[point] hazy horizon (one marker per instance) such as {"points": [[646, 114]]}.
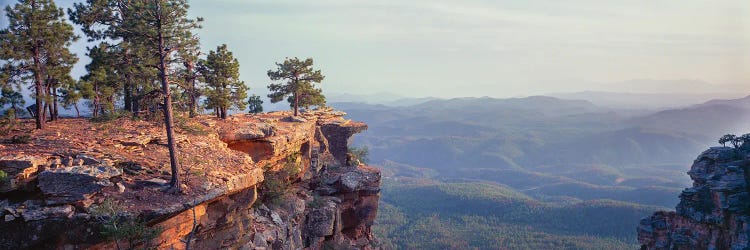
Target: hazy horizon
{"points": [[480, 48]]}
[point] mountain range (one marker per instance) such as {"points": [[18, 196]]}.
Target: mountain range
{"points": [[531, 158]]}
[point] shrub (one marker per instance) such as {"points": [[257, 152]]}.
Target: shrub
{"points": [[3, 178], [116, 227], [273, 188], [20, 139], [361, 153], [292, 168], [192, 129]]}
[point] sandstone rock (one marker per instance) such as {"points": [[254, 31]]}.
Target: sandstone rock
{"points": [[120, 188], [72, 184], [249, 131], [294, 119], [712, 214], [88, 160], [65, 211], [225, 214], [21, 170], [157, 182], [320, 222]]}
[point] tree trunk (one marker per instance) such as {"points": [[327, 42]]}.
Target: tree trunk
{"points": [[136, 103], [175, 182], [48, 107], [190, 66], [127, 88], [296, 103], [54, 104], [78, 113], [40, 119]]}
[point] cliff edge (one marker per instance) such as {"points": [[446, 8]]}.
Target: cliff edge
{"points": [[267, 181], [712, 214]]}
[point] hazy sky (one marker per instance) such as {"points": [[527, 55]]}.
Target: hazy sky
{"points": [[483, 48]]}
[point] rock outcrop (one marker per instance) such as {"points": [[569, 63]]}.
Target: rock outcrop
{"points": [[713, 214], [62, 188]]}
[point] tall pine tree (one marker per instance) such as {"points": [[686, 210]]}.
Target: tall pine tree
{"points": [[297, 79], [115, 21], [152, 34], [34, 48], [221, 72], [165, 28]]}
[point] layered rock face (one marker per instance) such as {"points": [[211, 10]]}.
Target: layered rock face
{"points": [[54, 195], [713, 214]]}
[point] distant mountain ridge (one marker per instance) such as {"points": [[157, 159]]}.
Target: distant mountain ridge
{"points": [[653, 101]]}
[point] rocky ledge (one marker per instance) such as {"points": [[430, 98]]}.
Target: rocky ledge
{"points": [[84, 185], [713, 214]]}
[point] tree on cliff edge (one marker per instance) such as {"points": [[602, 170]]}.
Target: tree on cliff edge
{"points": [[255, 104], [164, 28], [221, 72], [297, 82]]}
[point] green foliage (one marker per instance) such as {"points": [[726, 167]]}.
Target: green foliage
{"points": [[15, 100], [292, 166], [102, 82], [34, 49], [117, 227], [277, 184], [192, 129], [728, 138], [8, 121], [255, 104], [221, 72], [485, 216], [361, 153], [3, 178], [297, 78], [70, 97], [273, 188]]}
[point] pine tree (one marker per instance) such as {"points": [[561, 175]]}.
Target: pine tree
{"points": [[255, 104], [192, 91], [36, 40], [221, 72], [164, 28], [59, 65], [71, 95], [101, 83], [115, 21], [297, 82], [8, 96]]}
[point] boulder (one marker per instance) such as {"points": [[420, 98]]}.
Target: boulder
{"points": [[21, 170], [321, 221], [72, 184], [249, 131], [294, 119]]}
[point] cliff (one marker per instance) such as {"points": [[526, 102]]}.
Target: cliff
{"points": [[712, 214], [250, 182]]}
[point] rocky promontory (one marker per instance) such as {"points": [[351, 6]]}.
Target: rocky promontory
{"points": [[712, 214], [86, 185]]}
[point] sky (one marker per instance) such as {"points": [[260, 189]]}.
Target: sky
{"points": [[484, 48]]}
